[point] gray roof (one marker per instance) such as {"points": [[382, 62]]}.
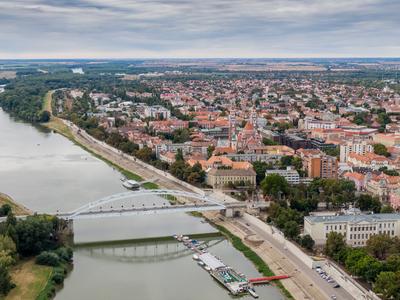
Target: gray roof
{"points": [[232, 172], [354, 218]]}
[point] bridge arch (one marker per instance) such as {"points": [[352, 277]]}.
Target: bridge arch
{"points": [[140, 193]]}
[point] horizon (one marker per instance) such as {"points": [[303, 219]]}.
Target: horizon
{"points": [[199, 58], [185, 29]]}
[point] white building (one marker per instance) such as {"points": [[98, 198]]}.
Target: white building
{"points": [[291, 175], [359, 147], [157, 112], [357, 229], [310, 123]]}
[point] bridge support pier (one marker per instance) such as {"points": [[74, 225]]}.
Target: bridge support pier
{"points": [[232, 212], [66, 230]]}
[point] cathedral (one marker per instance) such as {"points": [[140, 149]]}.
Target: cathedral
{"points": [[246, 139]]}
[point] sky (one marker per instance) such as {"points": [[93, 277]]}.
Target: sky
{"points": [[199, 29]]}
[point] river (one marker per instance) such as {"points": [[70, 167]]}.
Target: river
{"points": [[47, 173]]}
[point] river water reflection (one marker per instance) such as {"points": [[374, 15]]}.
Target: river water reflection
{"points": [[46, 172]]}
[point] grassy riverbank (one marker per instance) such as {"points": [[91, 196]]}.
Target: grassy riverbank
{"points": [[59, 126], [261, 266], [30, 280], [17, 209]]}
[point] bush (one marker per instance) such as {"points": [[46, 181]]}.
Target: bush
{"points": [[48, 259], [58, 278], [65, 253], [307, 242]]}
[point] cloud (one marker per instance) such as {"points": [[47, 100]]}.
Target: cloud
{"points": [[207, 28]]}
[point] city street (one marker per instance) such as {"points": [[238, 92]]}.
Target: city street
{"points": [[303, 271]]}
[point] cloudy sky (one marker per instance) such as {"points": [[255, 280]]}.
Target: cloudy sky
{"points": [[199, 28]]}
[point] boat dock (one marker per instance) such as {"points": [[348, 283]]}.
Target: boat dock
{"points": [[236, 283]]}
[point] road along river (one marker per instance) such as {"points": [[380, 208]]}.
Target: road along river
{"points": [[46, 172]]}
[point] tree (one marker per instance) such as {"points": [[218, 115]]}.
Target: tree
{"points": [[387, 284], [48, 258], [179, 155], [268, 142], [379, 245], [260, 167], [274, 185], [392, 263], [335, 246], [145, 154], [368, 268], [383, 119], [381, 149], [387, 209], [353, 256], [286, 161], [210, 150], [35, 234], [366, 202], [389, 172], [307, 242], [44, 116], [5, 280], [7, 245], [291, 229]]}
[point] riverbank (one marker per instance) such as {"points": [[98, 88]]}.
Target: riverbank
{"points": [[261, 266], [121, 163], [17, 209], [30, 280]]}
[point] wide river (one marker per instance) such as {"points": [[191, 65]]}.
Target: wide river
{"points": [[47, 173]]}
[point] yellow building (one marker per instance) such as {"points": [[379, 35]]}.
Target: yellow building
{"points": [[219, 178]]}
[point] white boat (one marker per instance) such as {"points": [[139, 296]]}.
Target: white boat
{"points": [[207, 268], [131, 184], [200, 263], [253, 293], [195, 257]]}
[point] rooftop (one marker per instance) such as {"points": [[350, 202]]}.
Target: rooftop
{"points": [[354, 218]]}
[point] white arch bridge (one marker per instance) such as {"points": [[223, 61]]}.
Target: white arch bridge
{"points": [[181, 201]]}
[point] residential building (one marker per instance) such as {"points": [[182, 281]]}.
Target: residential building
{"points": [[356, 229], [358, 147], [370, 161], [290, 174], [157, 112], [317, 164]]}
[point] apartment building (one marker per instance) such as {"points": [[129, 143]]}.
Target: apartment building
{"points": [[317, 164], [358, 147], [157, 112], [290, 174], [356, 229]]}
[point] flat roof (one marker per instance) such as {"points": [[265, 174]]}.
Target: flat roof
{"points": [[211, 261], [354, 218]]}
